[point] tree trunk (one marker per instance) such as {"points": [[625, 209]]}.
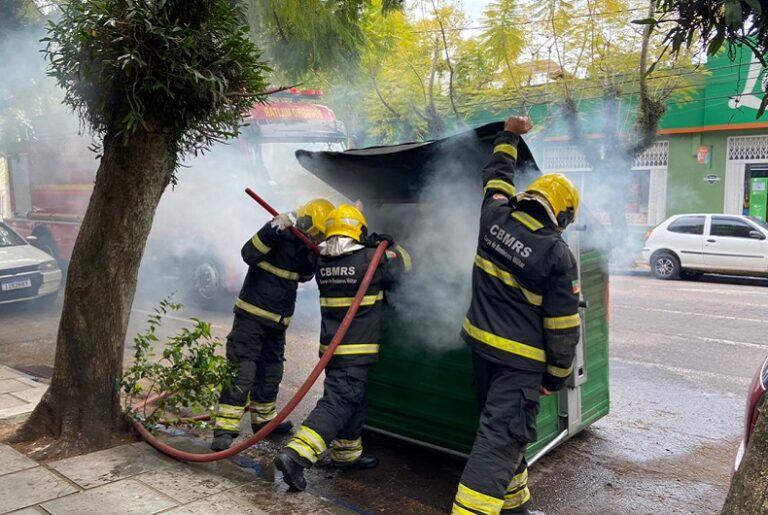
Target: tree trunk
{"points": [[749, 487], [82, 406]]}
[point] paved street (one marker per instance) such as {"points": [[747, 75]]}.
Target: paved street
{"points": [[682, 356]]}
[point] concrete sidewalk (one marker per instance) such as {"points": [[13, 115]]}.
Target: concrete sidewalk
{"points": [[19, 392], [134, 479]]}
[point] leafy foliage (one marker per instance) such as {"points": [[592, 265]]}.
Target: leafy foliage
{"points": [[305, 37], [186, 68], [188, 374], [710, 23]]}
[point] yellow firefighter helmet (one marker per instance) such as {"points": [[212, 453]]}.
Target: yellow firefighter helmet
{"points": [[561, 194], [346, 220], [311, 216]]}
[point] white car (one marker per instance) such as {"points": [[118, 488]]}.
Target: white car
{"points": [[26, 272], [688, 245]]}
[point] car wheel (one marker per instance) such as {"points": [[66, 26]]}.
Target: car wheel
{"points": [[665, 266], [205, 281], [690, 276]]}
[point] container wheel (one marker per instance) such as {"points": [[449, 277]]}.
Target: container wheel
{"points": [[665, 266]]}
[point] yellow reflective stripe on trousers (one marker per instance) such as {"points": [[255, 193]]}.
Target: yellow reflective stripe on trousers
{"points": [[263, 313], [458, 510], [407, 263], [559, 372], [228, 417], [479, 502], [499, 184], [505, 344], [303, 450], [518, 481], [346, 451], [231, 410], [353, 349], [512, 501], [566, 322], [527, 220], [260, 245], [507, 278], [345, 302], [263, 411], [506, 148], [277, 271]]}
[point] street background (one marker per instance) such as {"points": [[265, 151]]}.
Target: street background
{"points": [[682, 356]]}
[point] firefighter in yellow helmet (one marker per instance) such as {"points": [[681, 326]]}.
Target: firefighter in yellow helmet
{"points": [[336, 422], [522, 324], [277, 262]]}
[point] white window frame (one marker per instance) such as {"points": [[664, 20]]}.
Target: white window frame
{"points": [[655, 161]]}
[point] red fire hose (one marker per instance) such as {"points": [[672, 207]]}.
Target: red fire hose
{"points": [[297, 398], [296, 232]]}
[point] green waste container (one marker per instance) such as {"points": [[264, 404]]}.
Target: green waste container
{"points": [[421, 390]]}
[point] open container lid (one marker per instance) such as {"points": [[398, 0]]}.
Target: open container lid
{"points": [[396, 173]]}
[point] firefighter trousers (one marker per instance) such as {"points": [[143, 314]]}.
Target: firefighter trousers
{"points": [[336, 421], [495, 478], [258, 348]]}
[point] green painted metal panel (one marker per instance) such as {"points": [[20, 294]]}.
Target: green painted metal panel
{"points": [[426, 395], [595, 393], [758, 197]]}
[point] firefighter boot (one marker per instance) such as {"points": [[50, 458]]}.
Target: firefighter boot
{"points": [[364, 462], [222, 441], [293, 472], [281, 429]]}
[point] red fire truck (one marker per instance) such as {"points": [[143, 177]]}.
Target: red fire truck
{"points": [[200, 223]]}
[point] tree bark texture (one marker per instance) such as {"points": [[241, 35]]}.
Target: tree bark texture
{"points": [[82, 407], [748, 494]]}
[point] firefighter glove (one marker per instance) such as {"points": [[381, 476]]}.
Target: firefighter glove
{"points": [[284, 221], [552, 383], [375, 238]]}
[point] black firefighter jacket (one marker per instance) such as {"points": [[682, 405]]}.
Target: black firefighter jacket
{"points": [[338, 279], [525, 284], [277, 262]]}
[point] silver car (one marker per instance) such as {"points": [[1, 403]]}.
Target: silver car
{"points": [[26, 273]]}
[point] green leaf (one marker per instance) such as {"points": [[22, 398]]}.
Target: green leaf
{"points": [[645, 21], [763, 106], [755, 6], [716, 43], [734, 16]]}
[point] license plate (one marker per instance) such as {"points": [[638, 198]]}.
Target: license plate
{"points": [[16, 284]]}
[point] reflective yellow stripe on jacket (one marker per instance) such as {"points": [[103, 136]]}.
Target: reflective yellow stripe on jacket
{"points": [[506, 148], [498, 184], [562, 373], [527, 220], [505, 344], [263, 313], [345, 302], [507, 278], [353, 349], [566, 322], [407, 263], [279, 272], [260, 245]]}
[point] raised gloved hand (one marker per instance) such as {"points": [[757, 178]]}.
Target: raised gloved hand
{"points": [[518, 125], [284, 221], [375, 238]]}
